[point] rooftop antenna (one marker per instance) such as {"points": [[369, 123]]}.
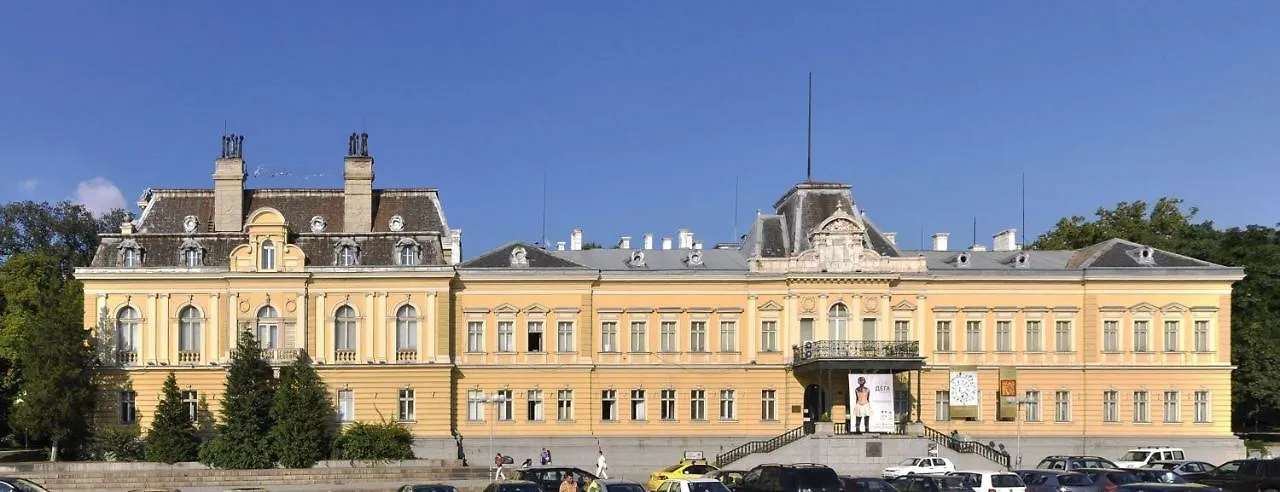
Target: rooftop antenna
{"points": [[975, 231], [809, 150], [544, 209], [1022, 243], [922, 236], [735, 209]]}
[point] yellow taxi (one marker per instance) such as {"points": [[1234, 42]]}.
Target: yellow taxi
{"points": [[692, 465]]}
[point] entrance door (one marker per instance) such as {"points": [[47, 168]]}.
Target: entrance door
{"points": [[814, 403]]}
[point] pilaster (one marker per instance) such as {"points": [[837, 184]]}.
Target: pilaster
{"points": [[209, 337], [884, 325], [151, 331], [364, 346], [322, 342], [233, 310], [751, 329], [427, 331], [301, 328]]}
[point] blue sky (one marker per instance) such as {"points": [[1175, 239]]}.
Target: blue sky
{"points": [[643, 114]]}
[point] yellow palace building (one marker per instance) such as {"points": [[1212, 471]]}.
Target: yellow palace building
{"points": [[655, 338]]}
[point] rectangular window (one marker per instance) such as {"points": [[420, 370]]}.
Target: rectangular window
{"points": [[1201, 335], [1141, 410], [506, 336], [667, 336], [698, 336], [609, 336], [1202, 407], [475, 405], [1111, 406], [1062, 406], [869, 330], [942, 406], [564, 405], [1062, 336], [1033, 406], [346, 405], [638, 405], [128, 405], [1004, 336], [191, 400], [638, 335], [768, 405], [769, 336], [475, 336], [1111, 335], [564, 336], [973, 336], [534, 399], [406, 413], [1035, 338], [506, 405], [1170, 336], [697, 405], [901, 330], [608, 405], [728, 405], [728, 336], [535, 329], [1141, 336], [944, 337], [1172, 414], [668, 404], [806, 329]]}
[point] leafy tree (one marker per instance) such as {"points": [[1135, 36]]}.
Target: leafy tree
{"points": [[1165, 226], [65, 231], [304, 417], [245, 421], [591, 245], [54, 359], [172, 437]]}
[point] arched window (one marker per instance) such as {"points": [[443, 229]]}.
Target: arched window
{"points": [[838, 322], [344, 328], [132, 258], [406, 328], [268, 255], [409, 254], [128, 330], [189, 330], [191, 258], [347, 256], [268, 324]]}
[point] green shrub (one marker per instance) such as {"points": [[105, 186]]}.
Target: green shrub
{"points": [[119, 444], [172, 437], [366, 441]]}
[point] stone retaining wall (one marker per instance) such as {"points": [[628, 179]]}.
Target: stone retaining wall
{"points": [[99, 476]]}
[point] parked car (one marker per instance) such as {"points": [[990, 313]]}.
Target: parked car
{"points": [[21, 485], [548, 478], [428, 487], [690, 466], [1166, 487], [1190, 470], [1245, 476], [727, 477], [930, 483], [918, 466], [691, 485], [1074, 462], [1107, 479], [1143, 456], [1156, 475], [866, 484], [617, 485], [790, 478], [990, 481], [1056, 481], [513, 486]]}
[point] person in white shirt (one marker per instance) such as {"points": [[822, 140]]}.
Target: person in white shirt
{"points": [[602, 468]]}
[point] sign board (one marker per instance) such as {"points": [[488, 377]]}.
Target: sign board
{"points": [[871, 397], [964, 392], [693, 455], [1007, 408]]}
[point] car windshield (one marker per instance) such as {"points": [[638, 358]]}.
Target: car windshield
{"points": [[1074, 480], [970, 479], [953, 483], [1166, 466], [1006, 480], [707, 487], [910, 461], [672, 468], [1135, 456], [28, 486], [1121, 478]]}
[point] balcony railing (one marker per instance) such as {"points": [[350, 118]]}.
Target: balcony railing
{"points": [[281, 355], [343, 355], [855, 349], [188, 357], [406, 355]]}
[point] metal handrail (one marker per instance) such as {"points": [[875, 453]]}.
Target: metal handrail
{"points": [[970, 447], [765, 446], [856, 349]]}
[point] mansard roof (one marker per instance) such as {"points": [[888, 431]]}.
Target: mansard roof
{"points": [[501, 257]]}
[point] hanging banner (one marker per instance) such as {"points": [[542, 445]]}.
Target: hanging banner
{"points": [[1007, 405], [964, 392], [871, 403]]}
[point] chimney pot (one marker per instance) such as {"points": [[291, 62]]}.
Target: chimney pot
{"points": [[228, 194], [648, 240], [559, 245], [892, 237], [126, 227], [697, 245], [624, 243], [684, 239], [977, 247], [1006, 240], [666, 243], [575, 240], [940, 241], [357, 192]]}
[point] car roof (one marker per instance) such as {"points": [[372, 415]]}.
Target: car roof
{"points": [[1074, 457], [515, 482], [692, 480], [617, 481]]}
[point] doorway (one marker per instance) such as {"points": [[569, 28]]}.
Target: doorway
{"points": [[815, 403]]}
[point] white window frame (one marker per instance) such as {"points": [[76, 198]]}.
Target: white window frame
{"points": [[609, 336], [191, 400], [1063, 336], [838, 322], [668, 336], [1203, 409], [1032, 410], [609, 405], [506, 335], [407, 327], [1202, 330], [564, 405], [728, 405], [475, 336], [901, 330], [769, 405], [1034, 329], [268, 327], [972, 335], [505, 404], [943, 334], [407, 409], [189, 321], [536, 327], [129, 329], [667, 405], [698, 335], [268, 253], [1172, 335], [127, 407], [346, 406], [639, 333], [1062, 406], [639, 405], [1004, 335], [1111, 335], [698, 405], [1142, 335], [534, 406], [345, 328], [1111, 406], [564, 337], [942, 406], [1172, 407], [475, 405], [1141, 407], [728, 336], [769, 335]]}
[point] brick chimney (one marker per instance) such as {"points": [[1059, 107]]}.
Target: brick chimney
{"points": [[940, 241], [1006, 240], [624, 242], [575, 240], [228, 186], [357, 179]]}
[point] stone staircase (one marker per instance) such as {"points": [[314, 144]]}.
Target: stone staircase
{"points": [[100, 476]]}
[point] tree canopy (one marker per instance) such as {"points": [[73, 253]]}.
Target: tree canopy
{"points": [[242, 431], [172, 437], [304, 417]]}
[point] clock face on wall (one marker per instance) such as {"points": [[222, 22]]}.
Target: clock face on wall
{"points": [[964, 388]]}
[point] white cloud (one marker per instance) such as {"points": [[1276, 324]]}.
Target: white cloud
{"points": [[99, 195], [29, 185]]}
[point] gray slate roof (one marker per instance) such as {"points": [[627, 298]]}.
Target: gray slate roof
{"points": [[656, 259], [500, 257]]}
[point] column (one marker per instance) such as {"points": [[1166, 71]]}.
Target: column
{"points": [[150, 330], [785, 325], [300, 329], [855, 317], [364, 346], [752, 328], [427, 332], [209, 334], [920, 329], [167, 345], [233, 310], [884, 326], [821, 323], [322, 346], [385, 331]]}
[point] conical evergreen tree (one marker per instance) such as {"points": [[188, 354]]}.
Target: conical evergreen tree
{"points": [[172, 437], [304, 417], [242, 441]]}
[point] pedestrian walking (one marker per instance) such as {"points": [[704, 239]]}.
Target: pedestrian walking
{"points": [[591, 485], [569, 484], [602, 467], [498, 461], [545, 457]]}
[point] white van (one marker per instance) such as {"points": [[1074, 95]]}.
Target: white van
{"points": [[1144, 456]]}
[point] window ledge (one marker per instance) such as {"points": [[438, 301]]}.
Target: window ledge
{"points": [[410, 421], [974, 352], [728, 421], [731, 352]]}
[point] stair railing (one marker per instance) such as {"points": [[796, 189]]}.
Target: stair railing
{"points": [[970, 447], [764, 446]]}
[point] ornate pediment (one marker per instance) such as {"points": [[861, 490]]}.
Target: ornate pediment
{"points": [[1144, 307], [839, 244], [505, 308], [770, 306], [1174, 307], [535, 308], [904, 306]]}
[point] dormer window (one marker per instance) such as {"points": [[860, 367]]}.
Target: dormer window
{"points": [[192, 253], [130, 254], [694, 258], [519, 257], [268, 255], [408, 252], [1022, 260], [962, 260], [1146, 256], [346, 253], [637, 259]]}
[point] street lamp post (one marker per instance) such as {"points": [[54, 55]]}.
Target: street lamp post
{"points": [[1022, 402], [496, 399]]}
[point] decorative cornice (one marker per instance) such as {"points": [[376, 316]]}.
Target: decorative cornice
{"points": [[667, 310], [945, 309], [729, 310], [1066, 309]]}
